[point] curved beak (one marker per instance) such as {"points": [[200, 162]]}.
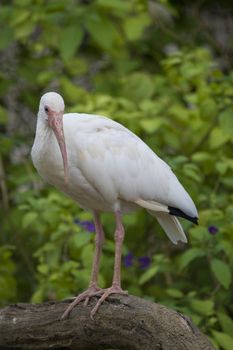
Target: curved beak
{"points": [[55, 121]]}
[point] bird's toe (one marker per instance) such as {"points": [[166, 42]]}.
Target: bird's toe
{"points": [[85, 296], [114, 289]]}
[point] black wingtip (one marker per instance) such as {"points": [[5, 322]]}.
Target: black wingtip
{"points": [[195, 221], [180, 213]]}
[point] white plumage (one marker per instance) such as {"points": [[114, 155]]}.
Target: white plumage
{"points": [[109, 168]]}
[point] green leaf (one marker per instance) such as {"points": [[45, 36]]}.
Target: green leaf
{"points": [[80, 239], [22, 2], [189, 256], [208, 108], [146, 276], [69, 266], [218, 138], [28, 219], [38, 296], [71, 91], [221, 167], [226, 121], [227, 181], [70, 40], [178, 160], [20, 16], [222, 272], [87, 255], [138, 87], [102, 30], [203, 307], [114, 5], [135, 26], [226, 323], [174, 293], [3, 115], [223, 339], [213, 342], [24, 30], [201, 157], [43, 269], [151, 125], [6, 37], [192, 171], [45, 77]]}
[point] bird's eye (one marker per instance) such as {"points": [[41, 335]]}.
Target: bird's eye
{"points": [[46, 109]]}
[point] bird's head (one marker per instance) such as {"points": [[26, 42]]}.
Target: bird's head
{"points": [[51, 110]]}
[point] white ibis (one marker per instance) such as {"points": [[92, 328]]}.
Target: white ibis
{"points": [[106, 168]]}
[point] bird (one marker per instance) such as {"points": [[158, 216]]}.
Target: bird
{"points": [[105, 167]]}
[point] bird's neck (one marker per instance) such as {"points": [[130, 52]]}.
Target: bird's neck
{"points": [[44, 134], [42, 128]]}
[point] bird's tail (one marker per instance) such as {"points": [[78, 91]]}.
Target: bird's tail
{"points": [[169, 223], [171, 226]]}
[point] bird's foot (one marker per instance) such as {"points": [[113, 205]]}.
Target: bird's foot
{"points": [[114, 289], [86, 295]]}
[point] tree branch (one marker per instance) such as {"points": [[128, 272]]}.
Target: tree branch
{"points": [[122, 322]]}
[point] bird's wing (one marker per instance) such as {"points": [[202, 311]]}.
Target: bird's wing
{"points": [[121, 166]]}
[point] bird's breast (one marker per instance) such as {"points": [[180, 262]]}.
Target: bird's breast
{"points": [[47, 160]]}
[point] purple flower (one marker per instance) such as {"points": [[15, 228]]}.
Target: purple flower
{"points": [[87, 225], [213, 230], [144, 262], [128, 260]]}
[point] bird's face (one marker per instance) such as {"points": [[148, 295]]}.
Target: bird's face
{"points": [[51, 109]]}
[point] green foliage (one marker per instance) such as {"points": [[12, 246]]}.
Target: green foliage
{"points": [[8, 284], [222, 272], [107, 57]]}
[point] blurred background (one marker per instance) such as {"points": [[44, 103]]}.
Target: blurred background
{"points": [[162, 68]]}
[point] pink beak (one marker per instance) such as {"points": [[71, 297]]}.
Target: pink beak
{"points": [[56, 123]]}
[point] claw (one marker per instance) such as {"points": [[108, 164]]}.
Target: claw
{"points": [[90, 292], [86, 301], [105, 295]]}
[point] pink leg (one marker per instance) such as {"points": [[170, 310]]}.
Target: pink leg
{"points": [[93, 286], [99, 241], [116, 283]]}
